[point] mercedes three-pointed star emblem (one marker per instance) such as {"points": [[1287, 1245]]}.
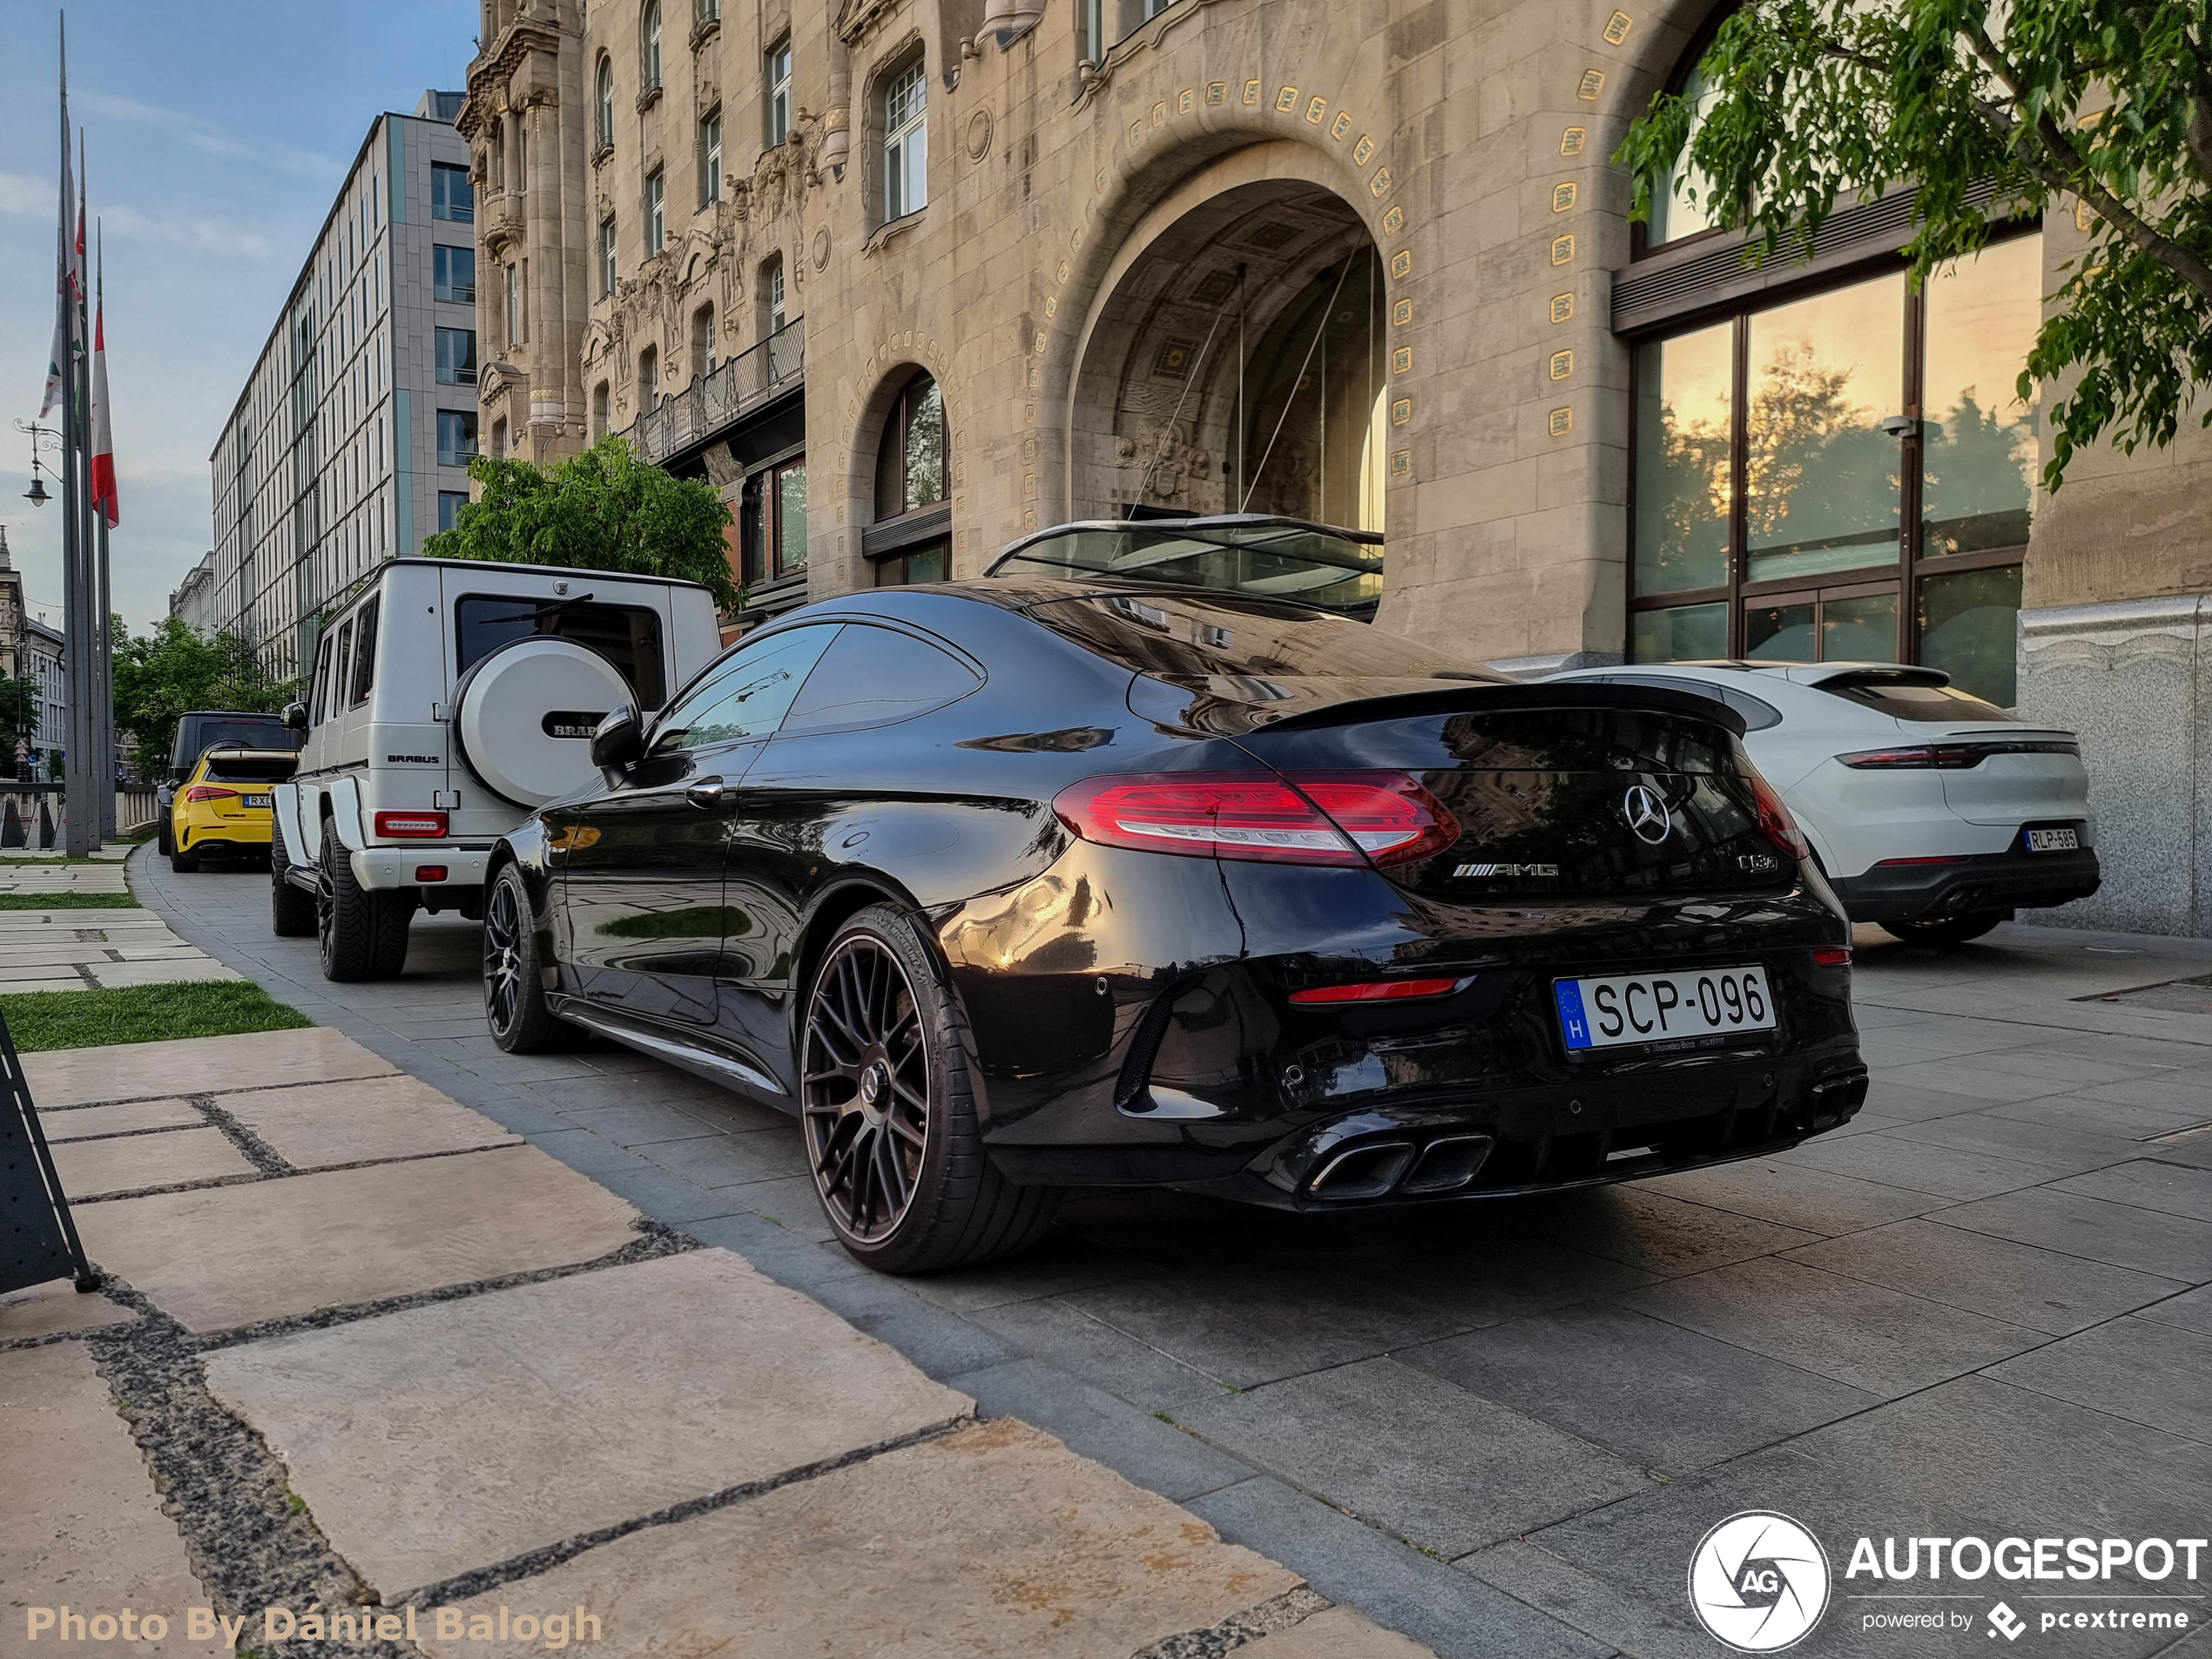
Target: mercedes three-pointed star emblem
{"points": [[1648, 819]]}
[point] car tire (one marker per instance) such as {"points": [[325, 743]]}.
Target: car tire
{"points": [[887, 1109], [362, 932], [1947, 930], [515, 1005], [292, 912], [164, 842], [184, 863]]}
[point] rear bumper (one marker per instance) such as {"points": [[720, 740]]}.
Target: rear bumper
{"points": [[2007, 881], [233, 837], [378, 867]]}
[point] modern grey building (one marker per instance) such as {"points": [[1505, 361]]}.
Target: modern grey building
{"points": [[351, 440]]}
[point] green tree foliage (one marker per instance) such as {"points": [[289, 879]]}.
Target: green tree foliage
{"points": [[160, 675], [601, 510], [2050, 103], [19, 718]]}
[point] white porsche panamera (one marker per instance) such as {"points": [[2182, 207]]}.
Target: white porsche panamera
{"points": [[1933, 812]]}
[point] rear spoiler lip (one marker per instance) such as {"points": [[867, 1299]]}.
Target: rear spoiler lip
{"points": [[1473, 696]]}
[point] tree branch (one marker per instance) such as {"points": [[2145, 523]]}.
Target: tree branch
{"points": [[2073, 172]]}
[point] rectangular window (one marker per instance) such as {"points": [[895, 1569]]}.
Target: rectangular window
{"points": [[656, 213], [779, 101], [454, 274], [627, 635], [450, 195], [776, 297], [450, 502], [906, 143], [710, 11], [456, 356], [772, 530], [456, 437], [513, 306], [365, 654], [606, 259], [711, 159]]}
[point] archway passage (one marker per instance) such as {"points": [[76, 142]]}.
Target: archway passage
{"points": [[1238, 367]]}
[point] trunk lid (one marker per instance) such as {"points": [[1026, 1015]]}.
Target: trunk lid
{"points": [[2028, 775]]}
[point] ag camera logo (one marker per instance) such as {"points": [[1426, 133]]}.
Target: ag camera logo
{"points": [[1758, 1582]]}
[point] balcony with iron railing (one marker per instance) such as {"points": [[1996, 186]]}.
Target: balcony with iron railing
{"points": [[710, 405]]}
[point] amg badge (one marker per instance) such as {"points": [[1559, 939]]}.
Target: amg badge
{"points": [[1466, 870]]}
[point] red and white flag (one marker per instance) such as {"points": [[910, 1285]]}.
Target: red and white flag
{"points": [[103, 434], [69, 282]]}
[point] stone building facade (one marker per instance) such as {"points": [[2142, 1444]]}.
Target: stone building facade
{"points": [[351, 439], [907, 278]]}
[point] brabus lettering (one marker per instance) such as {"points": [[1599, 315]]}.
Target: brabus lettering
{"points": [[412, 760]]}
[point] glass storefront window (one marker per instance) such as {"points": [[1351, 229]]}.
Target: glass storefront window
{"points": [[1979, 444], [1779, 633], [1683, 461], [1967, 624], [1863, 630], [1682, 634], [1821, 475]]}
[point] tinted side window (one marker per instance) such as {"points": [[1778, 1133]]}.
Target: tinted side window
{"points": [[875, 676], [627, 635], [365, 654], [342, 666], [323, 679], [746, 693]]}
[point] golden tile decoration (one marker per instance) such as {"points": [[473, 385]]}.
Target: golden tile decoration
{"points": [[1185, 101], [1592, 84], [1562, 422], [1136, 133], [1041, 340], [1217, 91], [1052, 304], [1393, 221], [1401, 410], [1401, 263], [1341, 127], [1401, 361], [1401, 463], [1572, 140], [1401, 313], [1028, 518], [1563, 364], [1286, 100], [1563, 249], [1062, 276], [1617, 27], [1380, 184], [1160, 114], [1362, 150], [1562, 196], [1251, 91], [1315, 109], [2084, 216], [1562, 307]]}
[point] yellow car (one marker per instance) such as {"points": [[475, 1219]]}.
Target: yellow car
{"points": [[221, 810]]}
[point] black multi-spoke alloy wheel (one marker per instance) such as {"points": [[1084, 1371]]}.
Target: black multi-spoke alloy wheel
{"points": [[889, 1110], [363, 931], [514, 1002], [1947, 930], [291, 912]]}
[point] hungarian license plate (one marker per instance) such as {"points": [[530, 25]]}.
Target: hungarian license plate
{"points": [[257, 800], [1663, 1007], [2053, 841]]}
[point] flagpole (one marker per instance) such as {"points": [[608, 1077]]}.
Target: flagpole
{"points": [[83, 769], [76, 826], [104, 630]]}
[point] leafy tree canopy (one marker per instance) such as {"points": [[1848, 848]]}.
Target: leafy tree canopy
{"points": [[2050, 103], [158, 675], [601, 510]]}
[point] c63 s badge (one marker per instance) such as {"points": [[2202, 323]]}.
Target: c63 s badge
{"points": [[1464, 871]]}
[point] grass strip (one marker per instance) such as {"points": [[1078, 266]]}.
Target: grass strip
{"points": [[93, 1019], [67, 900]]}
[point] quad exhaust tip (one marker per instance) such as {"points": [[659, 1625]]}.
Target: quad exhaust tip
{"points": [[1379, 1168]]}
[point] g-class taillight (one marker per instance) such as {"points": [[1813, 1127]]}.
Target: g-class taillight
{"points": [[399, 824]]}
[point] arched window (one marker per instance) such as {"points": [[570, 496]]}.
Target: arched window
{"points": [[648, 379], [599, 407], [906, 142], [606, 103], [702, 343], [913, 474], [649, 44]]}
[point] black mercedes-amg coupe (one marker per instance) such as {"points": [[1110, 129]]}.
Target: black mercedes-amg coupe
{"points": [[1006, 885]]}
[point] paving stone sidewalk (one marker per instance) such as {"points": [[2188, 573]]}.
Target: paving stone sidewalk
{"points": [[91, 947], [1503, 1429]]}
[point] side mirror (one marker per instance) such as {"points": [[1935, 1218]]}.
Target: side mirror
{"points": [[295, 716], [618, 740]]}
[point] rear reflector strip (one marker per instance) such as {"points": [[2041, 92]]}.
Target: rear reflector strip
{"points": [[1380, 990], [1891, 864], [429, 873], [1832, 956]]}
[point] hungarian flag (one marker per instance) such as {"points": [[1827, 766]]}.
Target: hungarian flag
{"points": [[102, 436]]}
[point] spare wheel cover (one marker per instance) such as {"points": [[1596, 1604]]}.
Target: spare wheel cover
{"points": [[510, 704]]}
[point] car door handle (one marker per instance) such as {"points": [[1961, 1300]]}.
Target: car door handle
{"points": [[710, 792]]}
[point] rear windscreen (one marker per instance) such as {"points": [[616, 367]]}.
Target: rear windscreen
{"points": [[627, 635], [205, 737], [1193, 639], [235, 769], [1598, 740], [1913, 699]]}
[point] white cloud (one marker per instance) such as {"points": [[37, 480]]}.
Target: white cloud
{"points": [[206, 136], [21, 193]]}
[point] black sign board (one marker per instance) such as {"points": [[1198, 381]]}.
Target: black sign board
{"points": [[38, 1239]]}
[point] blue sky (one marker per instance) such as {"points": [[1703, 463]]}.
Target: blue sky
{"points": [[216, 132]]}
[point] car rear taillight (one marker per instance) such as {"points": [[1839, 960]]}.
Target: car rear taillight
{"points": [[1776, 822], [204, 792], [1380, 990], [1956, 756], [400, 824], [1296, 818]]}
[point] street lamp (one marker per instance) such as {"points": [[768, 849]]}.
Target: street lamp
{"points": [[37, 495]]}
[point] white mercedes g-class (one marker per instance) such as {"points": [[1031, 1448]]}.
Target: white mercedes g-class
{"points": [[450, 697]]}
